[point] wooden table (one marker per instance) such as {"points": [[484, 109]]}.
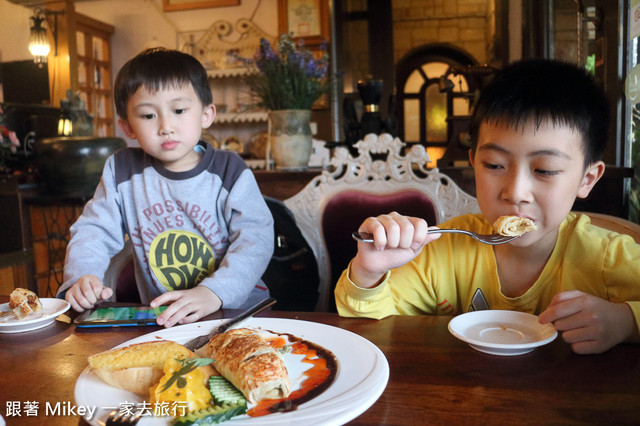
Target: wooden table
{"points": [[284, 184], [434, 379]]}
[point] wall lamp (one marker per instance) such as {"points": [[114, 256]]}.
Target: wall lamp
{"points": [[65, 123], [39, 45]]}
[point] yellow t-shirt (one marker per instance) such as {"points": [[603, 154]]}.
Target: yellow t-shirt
{"points": [[445, 276]]}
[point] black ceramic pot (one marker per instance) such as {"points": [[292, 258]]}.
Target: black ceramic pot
{"points": [[370, 91], [72, 166]]}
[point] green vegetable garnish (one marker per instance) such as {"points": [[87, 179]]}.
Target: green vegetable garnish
{"points": [[188, 365], [211, 415], [223, 392]]}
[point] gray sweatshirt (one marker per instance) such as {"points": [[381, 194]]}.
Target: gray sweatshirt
{"points": [[207, 226]]}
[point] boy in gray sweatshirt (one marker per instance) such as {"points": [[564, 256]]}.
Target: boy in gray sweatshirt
{"points": [[201, 232]]}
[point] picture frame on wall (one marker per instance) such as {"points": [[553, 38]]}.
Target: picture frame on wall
{"points": [[176, 5], [306, 19]]}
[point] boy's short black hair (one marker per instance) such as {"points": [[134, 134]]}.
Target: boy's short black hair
{"points": [[541, 89], [157, 68]]}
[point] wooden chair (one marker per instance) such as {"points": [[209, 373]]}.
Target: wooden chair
{"points": [[614, 223], [379, 180]]}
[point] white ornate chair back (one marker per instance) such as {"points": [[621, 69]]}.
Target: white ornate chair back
{"points": [[379, 180]]}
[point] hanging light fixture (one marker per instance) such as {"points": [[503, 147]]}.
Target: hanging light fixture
{"points": [[38, 41]]}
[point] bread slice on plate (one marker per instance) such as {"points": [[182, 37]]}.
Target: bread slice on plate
{"points": [[24, 302], [138, 367]]}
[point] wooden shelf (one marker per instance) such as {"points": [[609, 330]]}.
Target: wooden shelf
{"points": [[231, 94], [241, 117], [231, 72]]}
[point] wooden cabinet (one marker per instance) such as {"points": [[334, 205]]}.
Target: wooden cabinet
{"points": [[50, 219], [16, 256], [32, 254], [93, 46], [81, 61]]}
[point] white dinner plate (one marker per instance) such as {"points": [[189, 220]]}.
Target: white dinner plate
{"points": [[499, 332], [51, 308], [362, 375]]}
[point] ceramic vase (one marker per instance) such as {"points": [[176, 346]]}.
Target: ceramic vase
{"points": [[290, 138], [72, 166]]}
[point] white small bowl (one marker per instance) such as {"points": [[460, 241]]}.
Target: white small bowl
{"points": [[499, 332]]}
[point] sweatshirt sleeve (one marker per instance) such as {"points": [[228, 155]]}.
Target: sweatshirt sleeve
{"points": [[251, 243], [98, 233], [621, 270], [353, 301]]}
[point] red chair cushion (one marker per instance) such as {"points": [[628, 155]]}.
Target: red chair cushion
{"points": [[344, 213], [126, 287]]}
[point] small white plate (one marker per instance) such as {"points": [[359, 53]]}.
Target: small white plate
{"points": [[51, 308], [499, 332]]}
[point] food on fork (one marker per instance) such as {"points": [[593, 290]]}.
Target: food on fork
{"points": [[138, 367], [246, 359], [24, 302], [513, 226]]}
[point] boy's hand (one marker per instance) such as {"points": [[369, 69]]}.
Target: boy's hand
{"points": [[588, 323], [397, 240], [188, 305], [86, 292]]}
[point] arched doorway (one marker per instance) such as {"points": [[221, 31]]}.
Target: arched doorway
{"points": [[430, 94]]}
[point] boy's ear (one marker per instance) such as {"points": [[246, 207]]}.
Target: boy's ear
{"points": [[592, 175], [208, 114], [126, 128]]}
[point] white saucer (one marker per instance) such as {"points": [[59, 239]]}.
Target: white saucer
{"points": [[499, 332], [51, 308]]}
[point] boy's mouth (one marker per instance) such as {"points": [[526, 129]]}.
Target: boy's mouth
{"points": [[168, 145]]}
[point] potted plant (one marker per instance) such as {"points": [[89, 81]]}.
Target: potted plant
{"points": [[287, 82]]}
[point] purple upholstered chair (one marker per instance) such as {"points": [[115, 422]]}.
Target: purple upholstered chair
{"points": [[379, 180]]}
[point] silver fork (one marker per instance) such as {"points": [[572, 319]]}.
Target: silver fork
{"points": [[491, 239], [124, 417]]}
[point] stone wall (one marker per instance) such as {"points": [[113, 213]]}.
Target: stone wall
{"points": [[467, 24]]}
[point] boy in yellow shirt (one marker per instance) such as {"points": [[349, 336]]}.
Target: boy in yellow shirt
{"points": [[538, 132]]}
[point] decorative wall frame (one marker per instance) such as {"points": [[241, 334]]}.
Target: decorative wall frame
{"points": [[217, 46], [305, 19], [186, 40], [176, 5]]}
